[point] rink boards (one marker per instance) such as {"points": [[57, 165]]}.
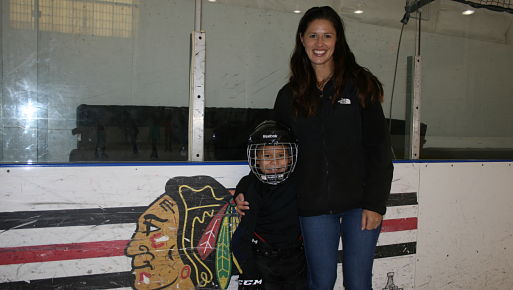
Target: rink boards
{"points": [[70, 225]]}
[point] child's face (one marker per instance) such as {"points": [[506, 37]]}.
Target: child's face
{"points": [[273, 159]]}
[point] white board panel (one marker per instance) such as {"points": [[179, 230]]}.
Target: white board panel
{"points": [[51, 188], [465, 236]]}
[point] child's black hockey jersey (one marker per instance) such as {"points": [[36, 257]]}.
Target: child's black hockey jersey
{"points": [[272, 219]]}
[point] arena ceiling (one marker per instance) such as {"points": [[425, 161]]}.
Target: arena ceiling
{"points": [[441, 16]]}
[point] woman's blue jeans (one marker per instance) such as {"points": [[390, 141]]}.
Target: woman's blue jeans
{"points": [[321, 236]]}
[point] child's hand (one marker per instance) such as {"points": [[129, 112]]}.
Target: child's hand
{"points": [[242, 205]]}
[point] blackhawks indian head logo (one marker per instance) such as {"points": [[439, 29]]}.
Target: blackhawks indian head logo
{"points": [[182, 240]]}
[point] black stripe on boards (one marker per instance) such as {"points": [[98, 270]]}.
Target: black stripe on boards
{"points": [[126, 279], [98, 281], [395, 250], [388, 251], [113, 215], [403, 198], [69, 217]]}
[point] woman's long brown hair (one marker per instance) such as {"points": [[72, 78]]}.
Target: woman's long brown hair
{"points": [[303, 80]]}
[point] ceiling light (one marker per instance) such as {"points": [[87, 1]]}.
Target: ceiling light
{"points": [[211, 0], [297, 11], [468, 12], [358, 11]]}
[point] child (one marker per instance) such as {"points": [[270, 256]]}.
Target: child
{"points": [[267, 242]]}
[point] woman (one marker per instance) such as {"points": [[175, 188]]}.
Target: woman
{"points": [[344, 165]]}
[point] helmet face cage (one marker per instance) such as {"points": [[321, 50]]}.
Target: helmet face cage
{"points": [[272, 162]]}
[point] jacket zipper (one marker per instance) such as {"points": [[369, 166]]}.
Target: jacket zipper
{"points": [[325, 154]]}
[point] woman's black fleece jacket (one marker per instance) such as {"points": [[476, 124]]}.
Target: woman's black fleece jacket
{"points": [[345, 157]]}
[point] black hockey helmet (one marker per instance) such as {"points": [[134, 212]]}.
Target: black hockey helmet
{"points": [[272, 152]]}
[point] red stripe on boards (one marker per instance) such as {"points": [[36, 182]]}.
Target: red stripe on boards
{"points": [[60, 252], [395, 225]]}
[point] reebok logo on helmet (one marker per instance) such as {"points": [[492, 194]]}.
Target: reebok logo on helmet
{"points": [[270, 136]]}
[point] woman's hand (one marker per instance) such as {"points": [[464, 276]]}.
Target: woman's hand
{"points": [[370, 220], [242, 205]]}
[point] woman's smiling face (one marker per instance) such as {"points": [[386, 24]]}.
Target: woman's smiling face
{"points": [[319, 40]]}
